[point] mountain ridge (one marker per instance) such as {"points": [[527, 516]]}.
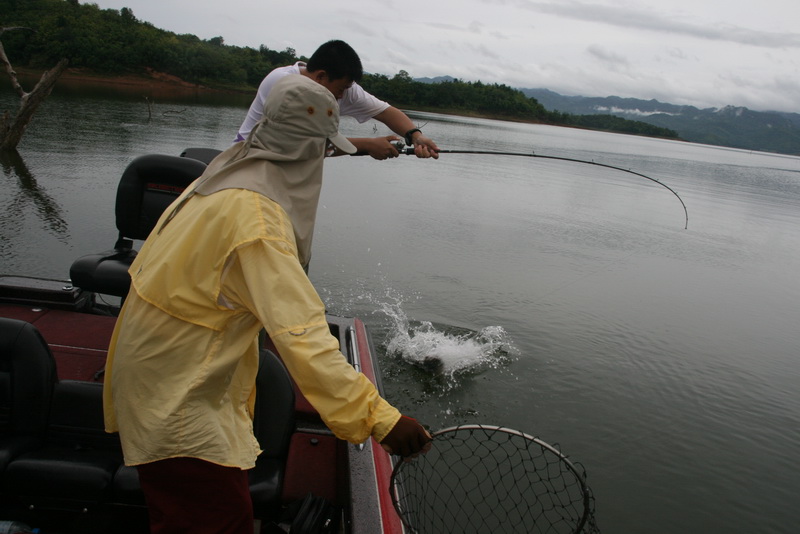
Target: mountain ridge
{"points": [[729, 126]]}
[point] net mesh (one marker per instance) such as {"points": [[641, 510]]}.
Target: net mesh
{"points": [[479, 478]]}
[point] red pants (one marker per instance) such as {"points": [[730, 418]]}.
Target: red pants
{"points": [[187, 495]]}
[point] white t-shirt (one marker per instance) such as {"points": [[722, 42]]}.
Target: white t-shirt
{"points": [[355, 102]]}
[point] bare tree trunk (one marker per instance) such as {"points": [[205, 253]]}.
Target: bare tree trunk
{"points": [[11, 129]]}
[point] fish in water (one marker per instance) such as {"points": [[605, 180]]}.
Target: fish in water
{"points": [[432, 364]]}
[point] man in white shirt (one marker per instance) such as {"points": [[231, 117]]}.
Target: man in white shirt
{"points": [[337, 67]]}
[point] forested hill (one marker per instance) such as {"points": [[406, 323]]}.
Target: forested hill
{"points": [[730, 126], [495, 101], [114, 42]]}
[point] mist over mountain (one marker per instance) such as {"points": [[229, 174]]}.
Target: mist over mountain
{"points": [[730, 126]]}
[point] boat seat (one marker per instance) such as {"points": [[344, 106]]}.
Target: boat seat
{"points": [[127, 490], [273, 425], [202, 154], [148, 185], [74, 468], [27, 377], [57, 455]]}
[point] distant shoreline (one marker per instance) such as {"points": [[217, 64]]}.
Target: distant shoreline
{"points": [[151, 80], [154, 81]]}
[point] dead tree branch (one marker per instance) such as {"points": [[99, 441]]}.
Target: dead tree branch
{"points": [[12, 129]]}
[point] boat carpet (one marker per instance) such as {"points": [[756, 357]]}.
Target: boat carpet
{"points": [[78, 341]]}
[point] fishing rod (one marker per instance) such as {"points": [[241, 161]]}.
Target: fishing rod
{"points": [[400, 146]]}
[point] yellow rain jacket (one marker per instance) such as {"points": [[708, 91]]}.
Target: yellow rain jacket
{"points": [[181, 368]]}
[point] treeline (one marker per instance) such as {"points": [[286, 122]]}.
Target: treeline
{"points": [[495, 101], [110, 41]]}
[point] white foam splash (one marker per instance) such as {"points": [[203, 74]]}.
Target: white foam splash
{"points": [[441, 351]]}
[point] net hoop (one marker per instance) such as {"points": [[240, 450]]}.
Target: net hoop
{"points": [[579, 505]]}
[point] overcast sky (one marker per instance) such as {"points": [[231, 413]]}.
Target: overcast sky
{"points": [[706, 53]]}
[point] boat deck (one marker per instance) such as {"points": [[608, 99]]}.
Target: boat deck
{"points": [[318, 463], [78, 341]]}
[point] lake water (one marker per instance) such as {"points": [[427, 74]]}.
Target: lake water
{"points": [[563, 300]]}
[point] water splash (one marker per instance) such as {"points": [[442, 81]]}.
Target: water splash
{"points": [[441, 356], [444, 350]]}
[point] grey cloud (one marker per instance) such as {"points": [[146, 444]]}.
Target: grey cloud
{"points": [[476, 27], [627, 17], [484, 51], [362, 29], [445, 26], [607, 57], [473, 27]]}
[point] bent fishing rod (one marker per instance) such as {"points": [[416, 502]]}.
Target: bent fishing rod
{"points": [[402, 149]]}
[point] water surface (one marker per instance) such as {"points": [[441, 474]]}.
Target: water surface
{"points": [[563, 300]]}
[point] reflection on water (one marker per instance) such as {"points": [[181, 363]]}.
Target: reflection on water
{"points": [[140, 91], [26, 196]]}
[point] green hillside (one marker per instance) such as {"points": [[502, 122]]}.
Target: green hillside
{"points": [[114, 42]]}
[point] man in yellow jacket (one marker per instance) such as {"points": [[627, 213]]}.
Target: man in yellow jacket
{"points": [[225, 260]]}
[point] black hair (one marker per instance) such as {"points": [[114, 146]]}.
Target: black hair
{"points": [[338, 60]]}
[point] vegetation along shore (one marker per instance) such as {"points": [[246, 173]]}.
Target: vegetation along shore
{"points": [[110, 46]]}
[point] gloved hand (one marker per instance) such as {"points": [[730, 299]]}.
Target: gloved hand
{"points": [[407, 438]]}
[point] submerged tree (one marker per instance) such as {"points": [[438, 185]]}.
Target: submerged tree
{"points": [[12, 128]]}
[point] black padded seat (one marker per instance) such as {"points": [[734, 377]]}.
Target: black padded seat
{"points": [[273, 425], [13, 446], [127, 490], [27, 378], [75, 467], [148, 185], [57, 455], [201, 154]]}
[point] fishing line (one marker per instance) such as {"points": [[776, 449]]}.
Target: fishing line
{"points": [[410, 151]]}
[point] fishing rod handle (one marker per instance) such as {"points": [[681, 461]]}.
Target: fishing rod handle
{"points": [[402, 149], [399, 145]]}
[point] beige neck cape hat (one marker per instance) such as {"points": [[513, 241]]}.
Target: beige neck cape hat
{"points": [[283, 155]]}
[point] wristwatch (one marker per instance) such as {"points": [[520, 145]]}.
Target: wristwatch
{"points": [[407, 136]]}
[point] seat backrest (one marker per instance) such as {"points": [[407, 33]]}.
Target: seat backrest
{"points": [[273, 420], [203, 154], [76, 418], [27, 378], [148, 185]]}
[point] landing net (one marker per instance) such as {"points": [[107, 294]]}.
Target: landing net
{"points": [[479, 478]]}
